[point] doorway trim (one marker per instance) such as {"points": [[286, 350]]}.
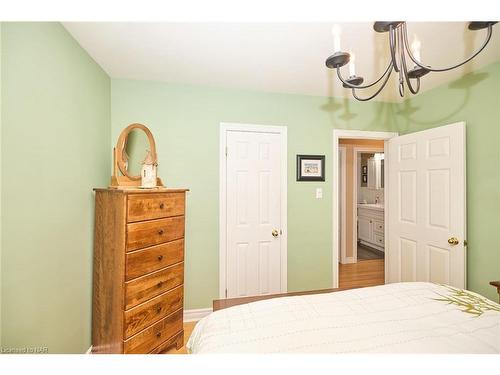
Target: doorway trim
{"points": [[342, 190], [349, 134], [226, 127]]}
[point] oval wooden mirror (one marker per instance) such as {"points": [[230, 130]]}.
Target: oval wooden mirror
{"points": [[134, 142]]}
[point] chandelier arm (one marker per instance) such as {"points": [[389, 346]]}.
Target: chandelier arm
{"points": [[364, 86], [405, 69], [392, 44], [376, 93], [485, 43], [414, 91], [401, 81]]}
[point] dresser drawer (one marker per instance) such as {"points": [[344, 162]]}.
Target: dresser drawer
{"points": [[154, 232], [153, 258], [176, 341], [153, 336], [154, 206], [146, 287], [144, 315]]}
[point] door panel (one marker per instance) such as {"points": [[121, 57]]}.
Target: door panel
{"points": [[253, 261], [426, 206], [408, 259], [408, 196]]}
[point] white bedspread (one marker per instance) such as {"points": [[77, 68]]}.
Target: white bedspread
{"points": [[393, 318]]}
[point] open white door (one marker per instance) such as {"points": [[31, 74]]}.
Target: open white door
{"points": [[426, 206]]}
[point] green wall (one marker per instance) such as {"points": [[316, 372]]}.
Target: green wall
{"points": [[474, 99], [54, 149], [185, 122], [61, 116]]}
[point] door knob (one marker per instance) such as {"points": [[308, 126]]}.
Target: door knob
{"points": [[275, 233], [453, 241]]}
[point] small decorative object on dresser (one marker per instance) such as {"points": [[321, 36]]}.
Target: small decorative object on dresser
{"points": [[310, 167], [138, 270], [148, 172]]}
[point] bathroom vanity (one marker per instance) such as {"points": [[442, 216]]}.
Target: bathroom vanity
{"points": [[371, 225]]}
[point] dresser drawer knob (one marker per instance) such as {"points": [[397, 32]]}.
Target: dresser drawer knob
{"points": [[162, 205], [161, 231], [158, 310], [158, 334], [159, 285], [160, 258]]}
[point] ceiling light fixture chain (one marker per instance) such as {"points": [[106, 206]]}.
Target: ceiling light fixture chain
{"points": [[399, 48]]}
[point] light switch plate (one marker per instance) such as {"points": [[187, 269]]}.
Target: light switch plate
{"points": [[319, 193]]}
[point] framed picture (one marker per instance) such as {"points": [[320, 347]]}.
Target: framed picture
{"points": [[310, 167], [365, 169], [365, 178]]}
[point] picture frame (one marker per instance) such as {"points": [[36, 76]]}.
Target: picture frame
{"points": [[365, 169], [365, 178], [310, 167]]}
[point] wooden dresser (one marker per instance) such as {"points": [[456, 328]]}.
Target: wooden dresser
{"points": [[138, 289]]}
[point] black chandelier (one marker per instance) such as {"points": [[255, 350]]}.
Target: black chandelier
{"points": [[400, 49]]}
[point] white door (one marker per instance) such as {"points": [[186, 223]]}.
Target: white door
{"points": [[426, 206], [253, 167]]}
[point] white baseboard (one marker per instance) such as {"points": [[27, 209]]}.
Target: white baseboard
{"points": [[196, 314], [89, 350], [349, 260]]}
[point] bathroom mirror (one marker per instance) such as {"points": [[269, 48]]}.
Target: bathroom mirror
{"points": [[371, 170], [134, 142]]}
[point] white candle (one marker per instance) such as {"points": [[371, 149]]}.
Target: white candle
{"points": [[336, 38], [415, 48], [352, 68]]}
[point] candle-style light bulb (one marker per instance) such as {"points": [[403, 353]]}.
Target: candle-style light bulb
{"points": [[415, 48], [352, 68], [336, 31]]}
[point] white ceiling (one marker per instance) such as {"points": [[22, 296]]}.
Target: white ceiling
{"points": [[271, 57]]}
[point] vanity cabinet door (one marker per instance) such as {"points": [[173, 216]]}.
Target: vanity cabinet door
{"points": [[364, 229]]}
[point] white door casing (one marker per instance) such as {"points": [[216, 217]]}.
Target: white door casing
{"points": [[336, 203], [253, 261], [427, 206], [342, 207]]}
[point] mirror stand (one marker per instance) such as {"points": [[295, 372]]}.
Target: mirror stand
{"points": [[121, 177]]}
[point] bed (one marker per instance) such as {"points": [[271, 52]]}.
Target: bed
{"points": [[413, 317]]}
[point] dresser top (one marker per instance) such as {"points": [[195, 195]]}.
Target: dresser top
{"points": [[136, 190]]}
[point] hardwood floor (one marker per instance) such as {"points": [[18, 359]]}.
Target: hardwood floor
{"points": [[355, 275], [364, 273], [188, 329]]}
